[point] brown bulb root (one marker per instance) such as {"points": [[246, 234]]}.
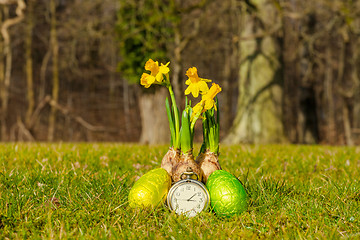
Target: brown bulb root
{"points": [[170, 159], [186, 161], [208, 163]]}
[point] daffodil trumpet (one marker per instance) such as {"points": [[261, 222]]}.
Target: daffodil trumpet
{"points": [[186, 138], [208, 158]]}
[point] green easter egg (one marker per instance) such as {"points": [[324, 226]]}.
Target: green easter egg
{"points": [[151, 189], [227, 195]]}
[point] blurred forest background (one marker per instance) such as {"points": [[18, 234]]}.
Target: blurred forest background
{"points": [[289, 69]]}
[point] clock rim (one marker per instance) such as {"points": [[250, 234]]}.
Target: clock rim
{"points": [[181, 182]]}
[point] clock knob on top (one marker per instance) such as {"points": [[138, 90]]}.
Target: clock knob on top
{"points": [[189, 174]]}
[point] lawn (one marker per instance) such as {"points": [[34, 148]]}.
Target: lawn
{"points": [[79, 191]]}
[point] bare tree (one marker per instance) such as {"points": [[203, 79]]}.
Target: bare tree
{"points": [[259, 114], [55, 69], [29, 62], [6, 65]]}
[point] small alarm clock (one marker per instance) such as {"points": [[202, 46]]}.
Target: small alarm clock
{"points": [[188, 196]]}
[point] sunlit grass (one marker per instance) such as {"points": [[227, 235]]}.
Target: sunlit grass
{"points": [[79, 191]]}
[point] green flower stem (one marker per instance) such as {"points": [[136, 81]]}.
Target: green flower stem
{"points": [[196, 117], [217, 136], [176, 118]]}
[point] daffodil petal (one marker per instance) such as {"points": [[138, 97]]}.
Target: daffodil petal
{"points": [[164, 69], [159, 77], [187, 91], [209, 104], [196, 109], [150, 79], [205, 80], [195, 91], [203, 87]]}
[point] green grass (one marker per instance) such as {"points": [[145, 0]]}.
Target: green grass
{"points": [[79, 191]]}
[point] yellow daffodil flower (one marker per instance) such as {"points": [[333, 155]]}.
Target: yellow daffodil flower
{"points": [[196, 85], [209, 97], [197, 110], [157, 73], [207, 101]]}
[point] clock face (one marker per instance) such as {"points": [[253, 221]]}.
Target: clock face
{"points": [[188, 198]]}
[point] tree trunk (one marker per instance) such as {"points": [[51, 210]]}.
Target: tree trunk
{"points": [[155, 126], [29, 63], [231, 66], [292, 80], [6, 66], [55, 69], [126, 106], [334, 74], [3, 93], [349, 86], [259, 115], [355, 76]]}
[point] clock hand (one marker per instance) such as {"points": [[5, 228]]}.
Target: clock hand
{"points": [[192, 197], [186, 200]]}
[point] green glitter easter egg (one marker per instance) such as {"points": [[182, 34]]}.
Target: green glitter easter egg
{"points": [[151, 189], [227, 195]]}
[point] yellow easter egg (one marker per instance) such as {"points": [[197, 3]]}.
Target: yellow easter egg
{"points": [[151, 189]]}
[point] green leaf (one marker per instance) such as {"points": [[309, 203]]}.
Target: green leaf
{"points": [[176, 118], [170, 116], [206, 132], [185, 133], [212, 129]]}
